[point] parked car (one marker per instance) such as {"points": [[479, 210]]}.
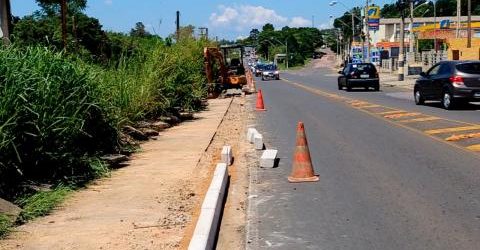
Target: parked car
{"points": [[355, 75], [270, 71], [451, 82]]}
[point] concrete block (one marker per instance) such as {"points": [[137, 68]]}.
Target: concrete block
{"points": [[208, 221], [268, 158], [258, 141], [251, 132], [227, 155]]}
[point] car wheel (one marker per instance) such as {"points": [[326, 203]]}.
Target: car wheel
{"points": [[377, 88], [419, 99], [447, 100], [340, 87], [263, 78]]}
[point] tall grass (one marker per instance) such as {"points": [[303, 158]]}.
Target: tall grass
{"points": [[57, 113]]}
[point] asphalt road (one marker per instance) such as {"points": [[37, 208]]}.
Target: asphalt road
{"points": [[382, 185]]}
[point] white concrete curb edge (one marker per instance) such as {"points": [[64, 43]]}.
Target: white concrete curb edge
{"points": [[208, 222]]}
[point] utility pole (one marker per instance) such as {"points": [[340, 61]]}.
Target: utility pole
{"points": [[286, 51], [469, 23], [367, 30], [459, 14], [203, 32], [63, 8], [178, 25], [401, 56], [411, 35], [5, 18], [435, 25]]}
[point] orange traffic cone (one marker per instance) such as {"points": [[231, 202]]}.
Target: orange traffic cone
{"points": [[302, 169], [260, 105]]}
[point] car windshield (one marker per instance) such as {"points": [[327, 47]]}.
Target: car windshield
{"points": [[270, 67], [469, 68]]}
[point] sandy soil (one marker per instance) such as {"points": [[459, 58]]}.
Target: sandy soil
{"points": [[232, 229], [152, 203]]}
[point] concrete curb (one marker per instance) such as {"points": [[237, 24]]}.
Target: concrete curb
{"points": [[227, 155], [208, 222]]}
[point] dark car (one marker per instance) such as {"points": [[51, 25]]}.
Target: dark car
{"points": [[451, 82], [259, 69], [359, 75]]}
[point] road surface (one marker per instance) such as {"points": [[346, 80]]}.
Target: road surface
{"points": [[387, 181]]}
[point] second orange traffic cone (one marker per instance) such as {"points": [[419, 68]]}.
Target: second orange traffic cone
{"points": [[260, 104], [302, 169]]}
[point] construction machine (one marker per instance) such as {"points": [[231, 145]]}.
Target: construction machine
{"points": [[224, 67]]}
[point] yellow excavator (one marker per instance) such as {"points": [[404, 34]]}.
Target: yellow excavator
{"points": [[229, 71]]}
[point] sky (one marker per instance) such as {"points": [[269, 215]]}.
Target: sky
{"points": [[225, 19]]}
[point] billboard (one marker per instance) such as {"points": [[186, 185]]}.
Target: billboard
{"points": [[373, 17], [373, 12]]}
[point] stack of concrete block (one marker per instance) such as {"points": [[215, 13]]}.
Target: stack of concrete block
{"points": [[269, 156]]}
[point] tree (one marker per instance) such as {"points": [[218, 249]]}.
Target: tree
{"points": [[139, 31], [268, 27], [52, 7], [254, 33]]}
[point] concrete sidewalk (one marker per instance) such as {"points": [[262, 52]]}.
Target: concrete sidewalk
{"points": [[146, 205], [391, 80]]}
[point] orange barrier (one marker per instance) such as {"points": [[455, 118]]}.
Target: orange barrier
{"points": [[302, 169], [260, 105]]}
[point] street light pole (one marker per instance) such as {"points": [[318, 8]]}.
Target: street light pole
{"points": [[435, 25], [469, 24], [286, 51], [459, 14], [412, 37], [367, 30]]}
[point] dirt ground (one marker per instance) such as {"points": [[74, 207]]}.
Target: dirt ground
{"points": [[153, 203]]}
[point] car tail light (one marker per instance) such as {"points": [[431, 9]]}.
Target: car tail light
{"points": [[353, 75], [457, 81]]}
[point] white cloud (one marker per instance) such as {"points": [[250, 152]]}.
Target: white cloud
{"points": [[244, 17], [323, 26], [299, 21], [108, 2]]}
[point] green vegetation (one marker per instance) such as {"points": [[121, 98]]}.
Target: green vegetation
{"points": [[42, 203], [60, 110], [301, 42], [5, 225]]}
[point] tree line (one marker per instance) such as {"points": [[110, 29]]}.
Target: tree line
{"points": [[300, 42]]}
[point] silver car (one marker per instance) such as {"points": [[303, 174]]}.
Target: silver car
{"points": [[270, 71]]}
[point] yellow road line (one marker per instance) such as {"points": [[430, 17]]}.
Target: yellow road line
{"points": [[475, 148], [395, 116], [463, 136], [423, 119], [390, 112], [357, 104], [369, 106], [449, 130]]}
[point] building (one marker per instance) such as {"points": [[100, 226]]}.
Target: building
{"points": [[387, 38]]}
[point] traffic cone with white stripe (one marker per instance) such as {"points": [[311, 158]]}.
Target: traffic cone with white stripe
{"points": [[302, 169]]}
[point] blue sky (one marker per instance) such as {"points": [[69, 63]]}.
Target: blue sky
{"points": [[225, 19]]}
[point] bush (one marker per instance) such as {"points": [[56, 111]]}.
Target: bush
{"points": [[50, 120]]}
